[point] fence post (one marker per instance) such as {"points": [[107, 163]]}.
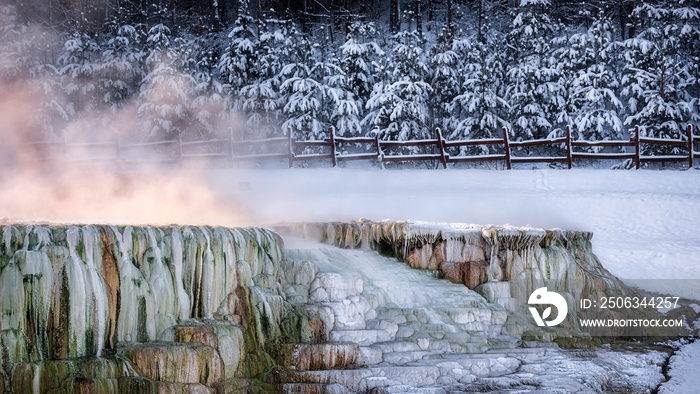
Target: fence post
{"points": [[333, 158], [290, 146], [118, 150], [690, 146], [441, 147], [179, 149], [507, 147], [230, 148], [568, 146], [65, 150], [377, 144], [636, 146]]}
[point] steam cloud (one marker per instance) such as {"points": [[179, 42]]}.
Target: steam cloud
{"points": [[32, 189]]}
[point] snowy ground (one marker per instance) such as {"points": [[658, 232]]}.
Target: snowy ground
{"points": [[683, 371], [646, 224]]}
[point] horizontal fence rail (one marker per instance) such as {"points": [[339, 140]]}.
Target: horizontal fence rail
{"points": [[375, 149]]}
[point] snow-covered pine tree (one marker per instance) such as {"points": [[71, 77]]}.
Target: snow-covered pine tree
{"points": [[25, 68], [571, 58], [445, 81], [380, 106], [260, 99], [687, 13], [534, 91], [462, 47], [480, 106], [211, 106], [79, 66], [122, 67], [408, 60], [346, 115], [359, 61], [16, 44], [594, 82], [166, 92], [277, 40], [259, 102], [339, 104], [238, 64], [302, 92], [657, 80], [399, 107]]}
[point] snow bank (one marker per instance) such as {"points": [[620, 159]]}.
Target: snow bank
{"points": [[645, 223], [683, 371]]}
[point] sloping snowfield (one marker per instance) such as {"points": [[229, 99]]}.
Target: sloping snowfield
{"points": [[646, 224]]}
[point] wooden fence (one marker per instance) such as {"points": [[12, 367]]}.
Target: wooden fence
{"points": [[286, 148]]}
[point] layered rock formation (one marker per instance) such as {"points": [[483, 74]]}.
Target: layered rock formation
{"points": [[140, 309], [503, 264], [95, 309], [418, 333]]}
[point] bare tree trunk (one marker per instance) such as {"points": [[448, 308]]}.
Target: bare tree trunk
{"points": [[625, 9], [143, 11], [331, 23], [174, 16], [480, 20], [304, 10], [348, 7], [450, 17], [419, 19], [623, 18], [394, 20]]}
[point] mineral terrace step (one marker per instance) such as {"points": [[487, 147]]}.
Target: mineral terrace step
{"points": [[401, 358], [361, 337]]}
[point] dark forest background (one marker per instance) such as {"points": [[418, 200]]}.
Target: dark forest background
{"points": [[202, 68]]}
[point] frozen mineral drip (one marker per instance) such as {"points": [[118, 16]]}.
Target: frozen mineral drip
{"points": [[36, 237], [7, 238], [135, 294], [38, 291], [99, 290], [160, 278], [225, 265], [12, 298], [78, 320], [87, 310], [494, 269], [207, 278], [76, 294], [120, 249], [125, 241], [238, 244], [92, 245], [177, 251]]}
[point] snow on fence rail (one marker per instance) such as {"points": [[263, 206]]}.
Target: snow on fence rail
{"points": [[229, 149]]}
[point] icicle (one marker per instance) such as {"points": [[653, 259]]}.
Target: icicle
{"points": [[206, 284], [162, 284], [99, 289], [7, 239], [183, 297]]}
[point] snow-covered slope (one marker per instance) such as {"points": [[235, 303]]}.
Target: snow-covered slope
{"points": [[683, 366], [646, 224]]}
